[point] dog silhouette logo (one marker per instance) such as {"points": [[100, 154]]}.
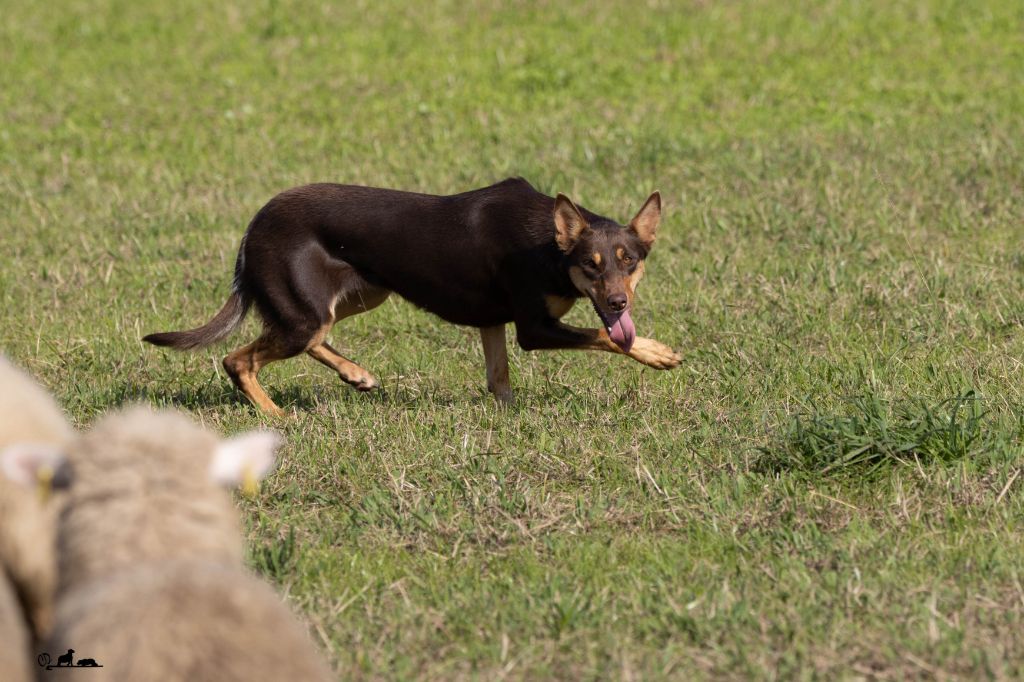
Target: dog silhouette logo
{"points": [[66, 661]]}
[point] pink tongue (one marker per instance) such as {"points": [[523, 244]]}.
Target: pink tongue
{"points": [[622, 331]]}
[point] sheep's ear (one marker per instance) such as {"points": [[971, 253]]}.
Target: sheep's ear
{"points": [[243, 460], [39, 465]]}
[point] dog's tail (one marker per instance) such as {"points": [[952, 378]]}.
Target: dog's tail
{"points": [[223, 323]]}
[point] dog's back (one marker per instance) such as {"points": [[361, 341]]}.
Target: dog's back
{"points": [[456, 256]]}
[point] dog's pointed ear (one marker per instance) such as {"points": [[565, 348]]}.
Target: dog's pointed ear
{"points": [[645, 224], [569, 223]]}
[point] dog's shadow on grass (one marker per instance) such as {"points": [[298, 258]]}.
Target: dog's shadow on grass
{"points": [[297, 397], [185, 397], [208, 395], [322, 396], [211, 397]]}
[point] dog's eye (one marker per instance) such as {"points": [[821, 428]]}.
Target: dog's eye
{"points": [[628, 260], [590, 263]]}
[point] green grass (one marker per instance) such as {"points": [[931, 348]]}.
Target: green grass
{"points": [[875, 437], [840, 264]]}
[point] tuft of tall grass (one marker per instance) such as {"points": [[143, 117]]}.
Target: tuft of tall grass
{"points": [[874, 434]]}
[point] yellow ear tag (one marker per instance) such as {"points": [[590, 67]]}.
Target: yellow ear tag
{"points": [[44, 483], [250, 484]]}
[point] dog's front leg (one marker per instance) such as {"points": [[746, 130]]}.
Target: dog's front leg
{"points": [[496, 357], [550, 334]]}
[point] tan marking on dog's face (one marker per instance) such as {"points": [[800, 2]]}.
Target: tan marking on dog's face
{"points": [[558, 306], [597, 258], [630, 281], [579, 280], [634, 279], [619, 252], [598, 290]]}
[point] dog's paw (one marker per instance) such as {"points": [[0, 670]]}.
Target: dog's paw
{"points": [[654, 354], [502, 394], [361, 381]]}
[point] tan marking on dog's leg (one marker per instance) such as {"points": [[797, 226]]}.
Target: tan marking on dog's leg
{"points": [[366, 298], [596, 339], [654, 354], [319, 337], [351, 373], [496, 358], [645, 351], [243, 366]]}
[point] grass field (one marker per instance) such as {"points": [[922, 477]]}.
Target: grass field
{"points": [[830, 483]]}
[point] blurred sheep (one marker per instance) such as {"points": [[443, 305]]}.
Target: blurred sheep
{"points": [[33, 431], [152, 581]]}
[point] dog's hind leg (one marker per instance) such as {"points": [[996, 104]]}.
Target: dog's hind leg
{"points": [[358, 296], [244, 364], [496, 357], [351, 373], [300, 295]]}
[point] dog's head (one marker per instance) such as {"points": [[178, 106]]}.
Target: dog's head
{"points": [[606, 260]]}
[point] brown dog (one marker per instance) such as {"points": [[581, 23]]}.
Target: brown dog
{"points": [[505, 253]]}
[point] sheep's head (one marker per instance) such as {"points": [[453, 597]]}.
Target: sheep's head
{"points": [[243, 460], [149, 488], [29, 472], [157, 449], [36, 466]]}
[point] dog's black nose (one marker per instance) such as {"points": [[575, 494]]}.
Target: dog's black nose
{"points": [[617, 302]]}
